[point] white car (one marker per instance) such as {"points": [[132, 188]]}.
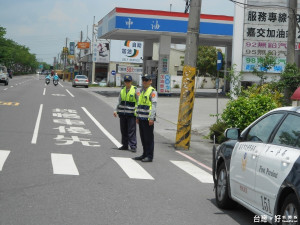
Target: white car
{"points": [[4, 75], [259, 168], [80, 80]]}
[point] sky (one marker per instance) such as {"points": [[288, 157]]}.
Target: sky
{"points": [[44, 25]]}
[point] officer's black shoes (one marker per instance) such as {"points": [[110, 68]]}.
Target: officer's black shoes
{"points": [[123, 148], [139, 158], [146, 160], [133, 149]]}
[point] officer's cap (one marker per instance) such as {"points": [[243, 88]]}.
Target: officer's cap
{"points": [[147, 77], [127, 78]]}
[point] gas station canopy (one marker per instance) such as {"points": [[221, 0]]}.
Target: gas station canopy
{"points": [[141, 25]]}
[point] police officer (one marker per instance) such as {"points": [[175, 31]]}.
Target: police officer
{"points": [[126, 107], [146, 112]]}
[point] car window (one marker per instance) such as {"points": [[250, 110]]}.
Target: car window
{"points": [[289, 132], [262, 130], [81, 77]]}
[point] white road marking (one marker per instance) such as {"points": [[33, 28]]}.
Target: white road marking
{"points": [[60, 84], [63, 164], [113, 140], [132, 168], [194, 171], [11, 86], [5, 89], [37, 125], [44, 91], [70, 93], [194, 160], [3, 156]]}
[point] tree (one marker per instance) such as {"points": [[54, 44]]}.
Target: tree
{"points": [[207, 60], [264, 64], [15, 56]]}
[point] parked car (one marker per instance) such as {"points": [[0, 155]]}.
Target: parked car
{"points": [[4, 75], [80, 80], [259, 168]]}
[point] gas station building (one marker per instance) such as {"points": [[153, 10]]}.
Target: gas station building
{"points": [[165, 28]]}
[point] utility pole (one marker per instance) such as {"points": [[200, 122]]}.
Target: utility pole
{"points": [[292, 6], [187, 96], [92, 51]]}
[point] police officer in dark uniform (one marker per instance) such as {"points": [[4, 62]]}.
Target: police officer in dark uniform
{"points": [[126, 108], [145, 113]]}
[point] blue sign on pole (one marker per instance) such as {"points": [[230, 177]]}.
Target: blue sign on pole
{"points": [[219, 61], [113, 72]]}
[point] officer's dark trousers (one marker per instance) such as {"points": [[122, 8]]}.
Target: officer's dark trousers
{"points": [[147, 138], [128, 130]]}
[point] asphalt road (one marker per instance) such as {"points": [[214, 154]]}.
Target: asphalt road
{"points": [[59, 164]]}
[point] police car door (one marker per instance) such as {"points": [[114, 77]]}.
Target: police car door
{"points": [[276, 162], [245, 156]]}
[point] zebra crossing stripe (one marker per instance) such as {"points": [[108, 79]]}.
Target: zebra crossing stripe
{"points": [[63, 164], [3, 156], [132, 168], [194, 171]]}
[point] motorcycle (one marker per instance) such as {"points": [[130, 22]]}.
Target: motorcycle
{"points": [[55, 82], [47, 81]]}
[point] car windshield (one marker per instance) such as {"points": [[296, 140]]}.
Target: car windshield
{"points": [[81, 77]]}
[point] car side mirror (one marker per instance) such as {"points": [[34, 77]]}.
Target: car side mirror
{"points": [[232, 133]]}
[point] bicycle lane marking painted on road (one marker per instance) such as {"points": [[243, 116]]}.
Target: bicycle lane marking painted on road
{"points": [[70, 93], [194, 171], [3, 156], [37, 126], [63, 164], [113, 140], [132, 168]]}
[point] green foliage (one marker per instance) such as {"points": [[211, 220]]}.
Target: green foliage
{"points": [[217, 131], [176, 86], [253, 103], [234, 78], [264, 64], [241, 112], [15, 56], [207, 60], [289, 81]]}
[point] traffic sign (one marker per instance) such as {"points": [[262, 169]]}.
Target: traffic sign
{"points": [[113, 72], [219, 61]]}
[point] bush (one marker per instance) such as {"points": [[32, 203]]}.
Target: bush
{"points": [[241, 112], [217, 130], [176, 86]]}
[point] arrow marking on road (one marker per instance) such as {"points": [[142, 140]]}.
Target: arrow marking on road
{"points": [[132, 168]]}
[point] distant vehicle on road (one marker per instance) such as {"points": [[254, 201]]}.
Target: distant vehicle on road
{"points": [[259, 167], [80, 80], [4, 75]]}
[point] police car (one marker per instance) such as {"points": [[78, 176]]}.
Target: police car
{"points": [[259, 167]]}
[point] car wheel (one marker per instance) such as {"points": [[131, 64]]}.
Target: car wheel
{"points": [[221, 191], [86, 86], [6, 83], [290, 210]]}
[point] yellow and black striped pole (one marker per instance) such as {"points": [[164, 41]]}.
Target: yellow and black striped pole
{"points": [[187, 96]]}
